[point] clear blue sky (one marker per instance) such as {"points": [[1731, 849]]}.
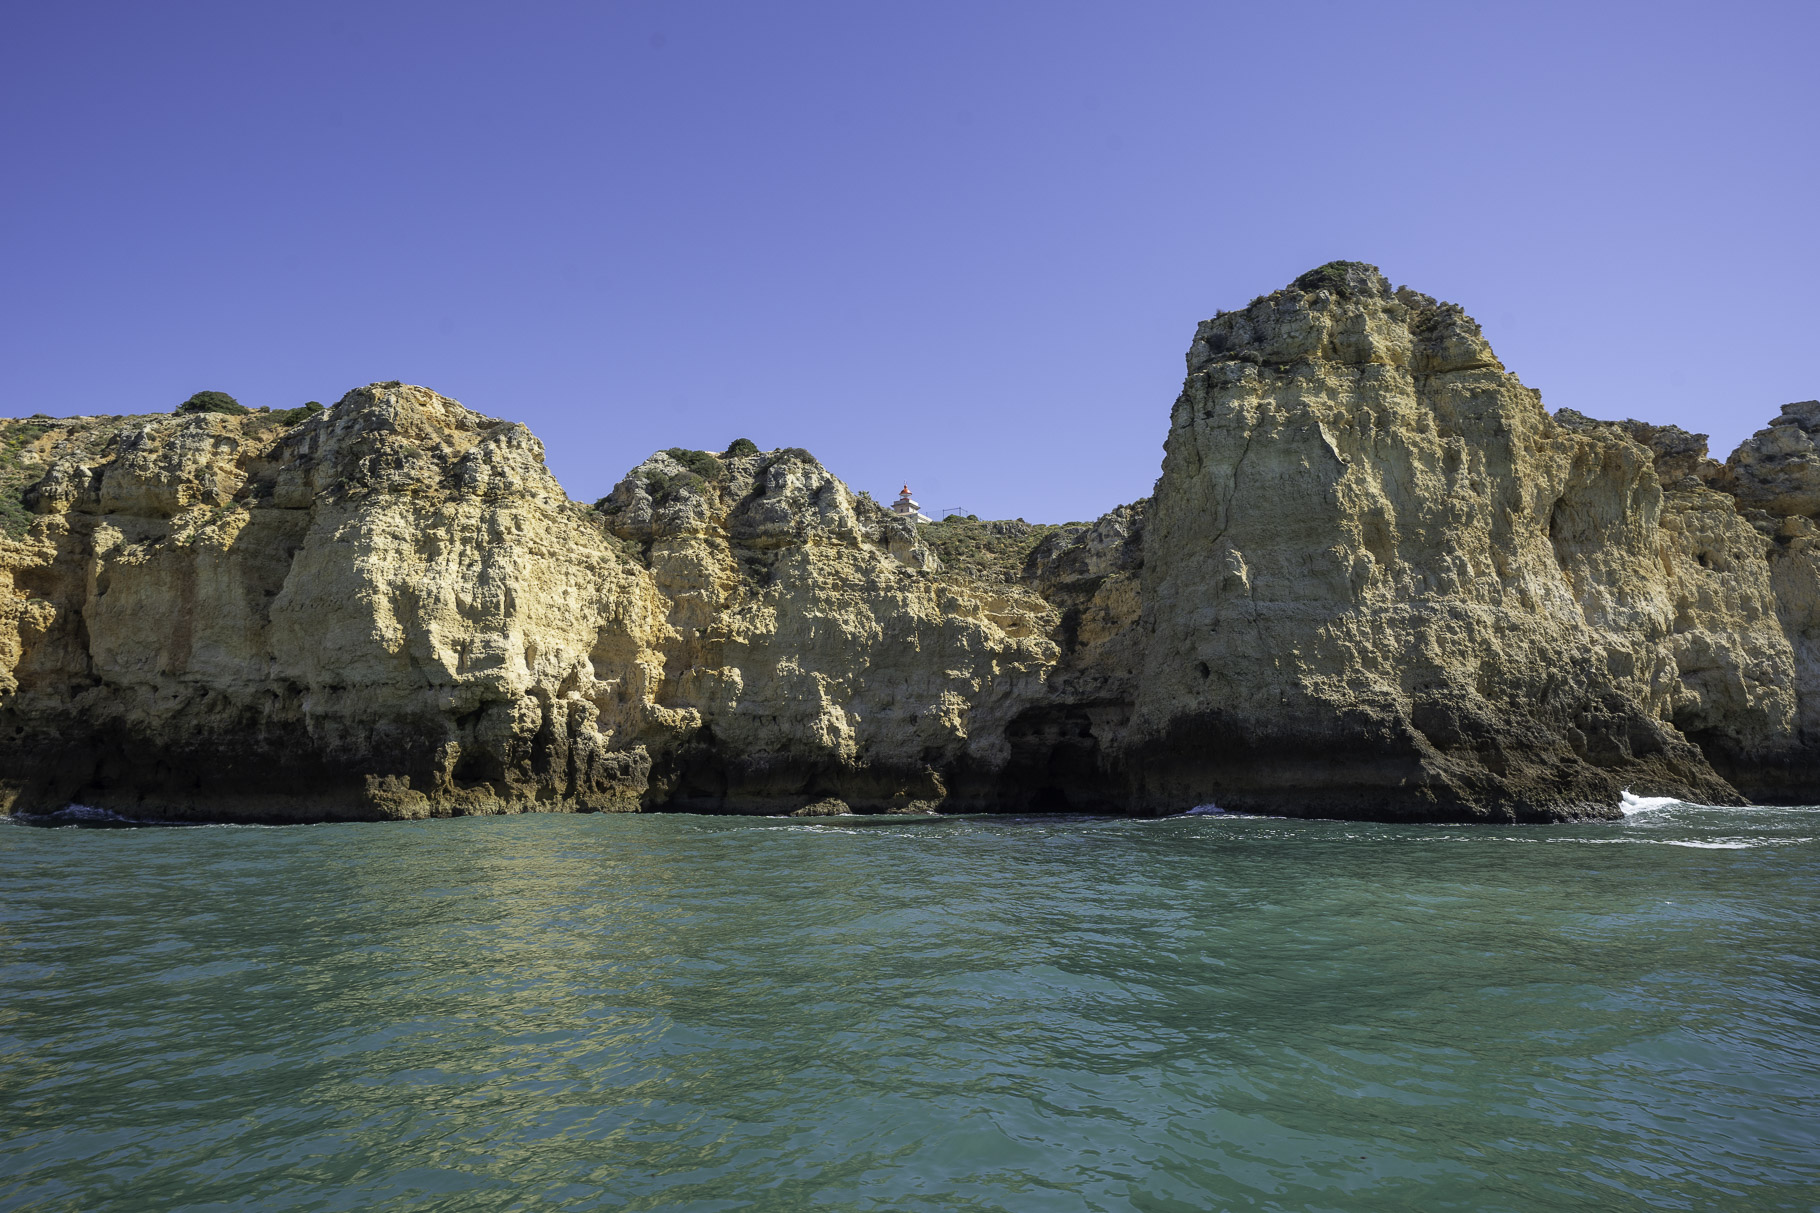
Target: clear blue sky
{"points": [[959, 244]]}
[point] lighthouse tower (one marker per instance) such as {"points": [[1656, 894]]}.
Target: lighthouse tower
{"points": [[906, 508]]}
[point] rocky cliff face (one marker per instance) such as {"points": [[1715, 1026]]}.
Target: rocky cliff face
{"points": [[1774, 478], [392, 609], [1376, 579], [1381, 580]]}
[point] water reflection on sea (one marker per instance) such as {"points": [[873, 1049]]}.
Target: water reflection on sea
{"points": [[667, 1012]]}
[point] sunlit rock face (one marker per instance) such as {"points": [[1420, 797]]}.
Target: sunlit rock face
{"points": [[813, 650], [386, 610], [1380, 580], [392, 610], [1376, 579], [1777, 469]]}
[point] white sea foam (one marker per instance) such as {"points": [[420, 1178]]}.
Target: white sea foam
{"points": [[84, 812], [1633, 804], [1205, 810]]}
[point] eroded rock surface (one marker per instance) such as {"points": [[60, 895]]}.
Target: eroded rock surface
{"points": [[1778, 468], [1376, 579], [392, 609], [1380, 580]]}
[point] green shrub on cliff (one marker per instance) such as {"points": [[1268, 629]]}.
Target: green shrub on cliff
{"points": [[15, 436], [740, 447], [701, 463], [700, 470], [302, 412], [665, 487], [211, 402], [14, 517], [1342, 278]]}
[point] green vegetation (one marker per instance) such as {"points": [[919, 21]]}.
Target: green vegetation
{"points": [[700, 463], [664, 487], [302, 412], [212, 402], [740, 447], [15, 436], [27, 449], [701, 469], [993, 550], [1340, 277], [593, 517]]}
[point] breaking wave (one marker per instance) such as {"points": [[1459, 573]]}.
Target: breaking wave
{"points": [[1633, 804], [86, 815]]}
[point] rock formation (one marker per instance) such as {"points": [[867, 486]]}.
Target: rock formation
{"points": [[1380, 578], [1376, 579], [392, 610]]}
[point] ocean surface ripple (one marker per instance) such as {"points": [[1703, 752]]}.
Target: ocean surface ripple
{"points": [[688, 1013]]}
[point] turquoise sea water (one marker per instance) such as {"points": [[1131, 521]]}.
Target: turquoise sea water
{"points": [[668, 1012]]}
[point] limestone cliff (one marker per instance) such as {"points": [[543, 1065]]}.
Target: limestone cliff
{"points": [[392, 609], [1380, 580], [1775, 478], [1376, 578]]}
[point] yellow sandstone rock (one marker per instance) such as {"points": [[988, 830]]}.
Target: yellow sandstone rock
{"points": [[1377, 579], [392, 610]]}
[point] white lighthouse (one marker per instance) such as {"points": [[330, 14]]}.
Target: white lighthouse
{"points": [[906, 508]]}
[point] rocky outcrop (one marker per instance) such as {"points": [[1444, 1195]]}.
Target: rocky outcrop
{"points": [[1778, 468], [1066, 743], [1376, 579], [814, 646], [392, 610], [368, 614], [1381, 581], [1774, 476]]}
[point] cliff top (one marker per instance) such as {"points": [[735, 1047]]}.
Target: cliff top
{"points": [[993, 549], [1346, 279], [1344, 312], [30, 445]]}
